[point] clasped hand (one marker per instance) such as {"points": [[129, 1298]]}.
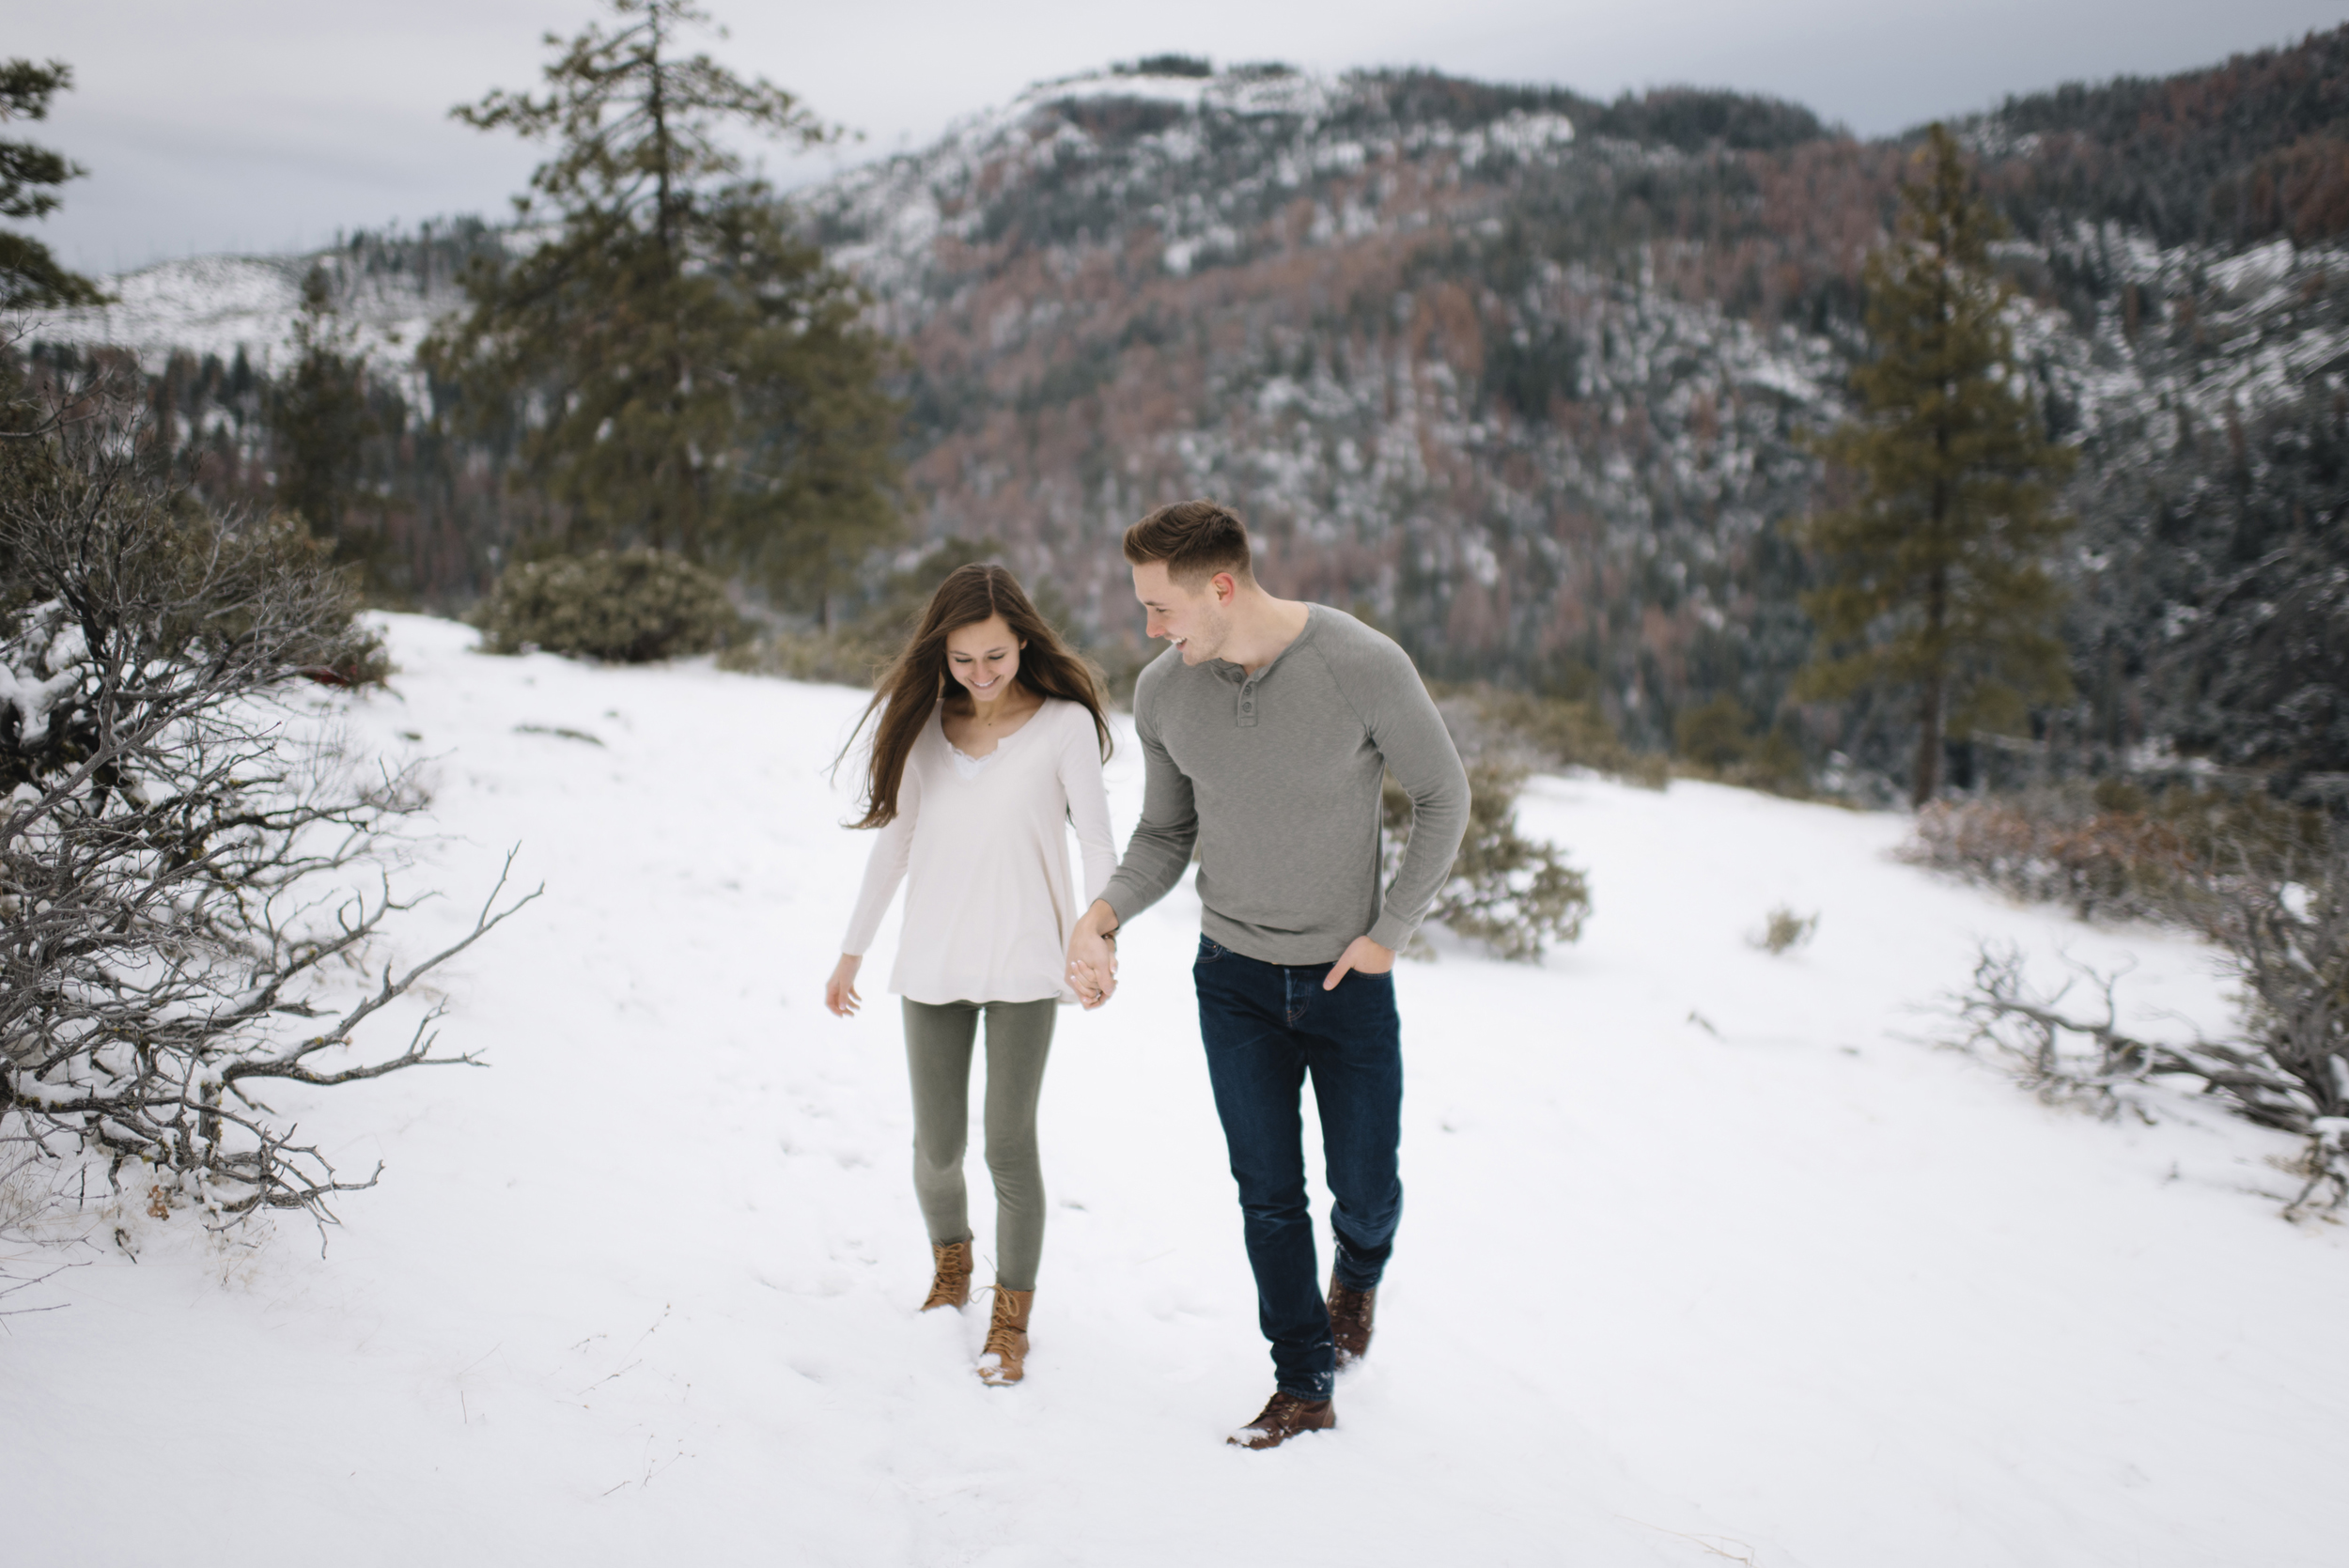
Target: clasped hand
{"points": [[1092, 966]]}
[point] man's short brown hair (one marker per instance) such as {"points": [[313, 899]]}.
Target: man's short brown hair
{"points": [[1196, 538]]}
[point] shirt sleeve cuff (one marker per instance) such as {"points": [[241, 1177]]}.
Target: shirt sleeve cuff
{"points": [[1393, 931]]}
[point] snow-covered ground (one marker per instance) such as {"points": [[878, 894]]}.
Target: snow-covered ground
{"points": [[1706, 1254]]}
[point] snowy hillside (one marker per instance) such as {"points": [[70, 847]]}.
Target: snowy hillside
{"points": [[1526, 376], [1352, 307], [1707, 1255], [227, 306]]}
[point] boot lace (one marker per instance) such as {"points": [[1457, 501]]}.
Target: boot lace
{"points": [[1004, 1338], [952, 1285]]}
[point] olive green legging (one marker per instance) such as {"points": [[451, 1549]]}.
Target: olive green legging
{"points": [[937, 1056]]}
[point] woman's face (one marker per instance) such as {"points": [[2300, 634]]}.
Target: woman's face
{"points": [[984, 657]]}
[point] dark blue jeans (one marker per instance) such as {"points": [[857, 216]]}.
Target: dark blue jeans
{"points": [[1266, 1027]]}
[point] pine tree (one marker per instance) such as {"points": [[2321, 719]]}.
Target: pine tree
{"points": [[319, 415], [689, 374], [1936, 580], [30, 277]]}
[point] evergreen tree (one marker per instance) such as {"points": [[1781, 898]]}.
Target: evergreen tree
{"points": [[1936, 578], [691, 375], [30, 277], [319, 415]]}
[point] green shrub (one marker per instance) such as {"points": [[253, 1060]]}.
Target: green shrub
{"points": [[1719, 739], [849, 657], [1513, 893], [1774, 763], [1785, 931], [627, 606], [1714, 734], [1542, 733]]}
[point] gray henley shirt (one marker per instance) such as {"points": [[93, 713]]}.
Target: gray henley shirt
{"points": [[1276, 777]]}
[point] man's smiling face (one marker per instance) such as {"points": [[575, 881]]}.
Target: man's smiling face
{"points": [[1195, 620]]}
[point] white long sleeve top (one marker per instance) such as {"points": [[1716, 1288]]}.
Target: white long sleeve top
{"points": [[981, 845]]}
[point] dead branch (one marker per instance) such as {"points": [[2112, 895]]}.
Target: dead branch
{"points": [[2084, 1056], [177, 861]]}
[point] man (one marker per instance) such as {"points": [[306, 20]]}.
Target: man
{"points": [[1265, 729]]}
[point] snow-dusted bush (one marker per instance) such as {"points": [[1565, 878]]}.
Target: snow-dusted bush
{"points": [[627, 606], [1516, 894], [177, 923]]}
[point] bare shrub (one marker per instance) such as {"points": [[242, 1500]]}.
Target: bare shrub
{"points": [[176, 867], [1784, 931], [2113, 851], [27, 1198], [2289, 1069], [1513, 893]]}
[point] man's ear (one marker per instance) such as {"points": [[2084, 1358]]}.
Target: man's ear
{"points": [[1224, 588]]}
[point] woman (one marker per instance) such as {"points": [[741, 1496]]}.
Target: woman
{"points": [[990, 736]]}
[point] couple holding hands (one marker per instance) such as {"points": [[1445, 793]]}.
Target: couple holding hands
{"points": [[1265, 729]]}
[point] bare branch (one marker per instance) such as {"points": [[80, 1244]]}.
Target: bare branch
{"points": [[178, 843]]}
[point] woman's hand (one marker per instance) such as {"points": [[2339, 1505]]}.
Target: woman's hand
{"points": [[1093, 956], [840, 990]]}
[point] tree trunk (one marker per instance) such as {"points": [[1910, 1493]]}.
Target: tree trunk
{"points": [[1927, 777], [1928, 771], [657, 110]]}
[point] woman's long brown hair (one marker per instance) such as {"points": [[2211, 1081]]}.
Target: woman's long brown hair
{"points": [[917, 678]]}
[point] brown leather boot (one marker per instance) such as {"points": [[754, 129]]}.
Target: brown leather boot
{"points": [[951, 1287], [1283, 1418], [1349, 1321], [1005, 1357]]}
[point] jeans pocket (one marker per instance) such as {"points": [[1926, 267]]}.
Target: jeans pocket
{"points": [[1361, 1000], [1208, 953]]}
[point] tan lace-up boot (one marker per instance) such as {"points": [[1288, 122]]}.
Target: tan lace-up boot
{"points": [[1005, 1358], [952, 1285]]}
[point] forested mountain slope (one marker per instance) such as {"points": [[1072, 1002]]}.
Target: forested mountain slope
{"points": [[1522, 375], [1441, 342]]}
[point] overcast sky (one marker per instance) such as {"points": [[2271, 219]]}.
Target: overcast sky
{"points": [[268, 125]]}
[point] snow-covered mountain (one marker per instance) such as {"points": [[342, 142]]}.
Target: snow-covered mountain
{"points": [[1318, 299], [389, 288], [1523, 375]]}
